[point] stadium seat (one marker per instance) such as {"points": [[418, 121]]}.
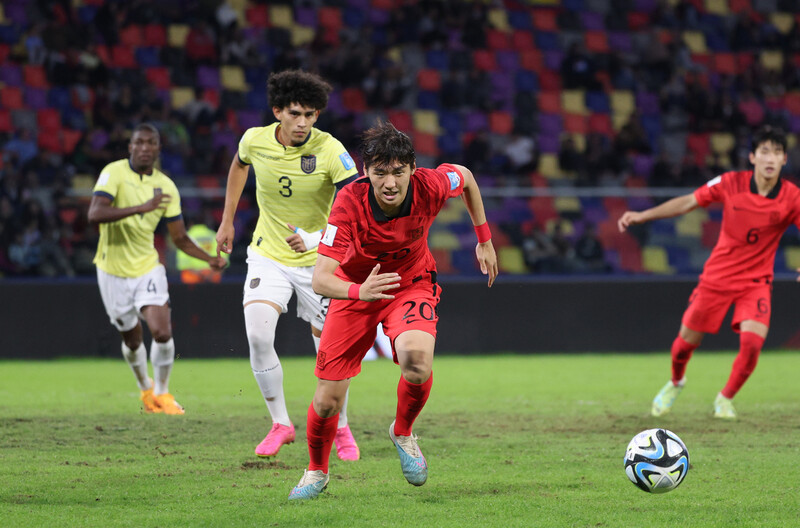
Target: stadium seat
{"points": [[443, 239], [568, 206], [622, 102], [549, 101], [574, 102], [5, 121], [548, 166], [11, 98], [655, 260], [792, 257], [695, 41], [48, 120], [232, 78], [132, 36], [511, 260], [425, 144], [123, 57], [429, 79], [34, 76], [783, 22], [771, 60], [691, 224], [180, 96], [10, 75], [330, 18], [722, 143], [159, 77], [154, 35], [484, 60], [545, 20], [281, 16], [597, 42], [576, 123], [426, 121], [257, 16], [601, 124], [176, 35], [443, 260], [699, 145], [498, 18], [501, 122], [498, 40]]}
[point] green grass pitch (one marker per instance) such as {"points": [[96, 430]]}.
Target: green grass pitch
{"points": [[510, 441]]}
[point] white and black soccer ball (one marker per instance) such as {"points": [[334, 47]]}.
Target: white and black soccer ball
{"points": [[656, 460]]}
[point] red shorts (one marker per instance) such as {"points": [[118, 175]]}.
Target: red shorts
{"points": [[707, 307], [350, 327]]}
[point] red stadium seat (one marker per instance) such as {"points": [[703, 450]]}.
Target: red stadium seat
{"points": [[353, 99], [123, 57], [48, 120], [5, 51], [401, 119], [330, 18], [725, 63], [501, 122], [739, 6], [429, 79], [5, 121], [638, 21], [791, 101], [550, 102], [159, 77], [51, 142], [11, 98], [545, 20], [601, 123], [543, 209], [531, 60], [443, 260], [704, 59], [34, 76], [70, 140], [257, 16], [497, 40], [550, 80], [208, 182], [131, 36], [576, 123], [155, 35], [484, 60], [700, 146], [597, 41], [522, 41], [425, 144]]}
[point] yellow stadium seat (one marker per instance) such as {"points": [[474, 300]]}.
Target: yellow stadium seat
{"points": [[454, 212], [2, 15], [691, 224], [176, 35], [426, 121], [83, 182], [717, 7], [511, 260], [302, 35], [791, 140], [792, 256], [567, 204], [695, 41], [782, 21], [655, 260], [567, 227], [232, 78], [772, 60], [622, 101], [281, 16], [395, 54], [578, 139], [180, 96], [498, 19], [548, 166], [443, 239], [618, 119], [722, 142], [574, 102]]}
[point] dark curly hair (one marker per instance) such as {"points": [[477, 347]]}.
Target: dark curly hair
{"points": [[297, 86], [383, 143]]}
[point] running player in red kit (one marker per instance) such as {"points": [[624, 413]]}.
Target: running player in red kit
{"points": [[375, 266], [758, 207]]}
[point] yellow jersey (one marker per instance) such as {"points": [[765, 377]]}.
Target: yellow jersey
{"points": [[294, 185], [126, 247]]}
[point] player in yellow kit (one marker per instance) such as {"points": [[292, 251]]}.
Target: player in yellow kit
{"points": [[298, 169], [130, 197]]}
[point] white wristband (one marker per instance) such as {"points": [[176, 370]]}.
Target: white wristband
{"points": [[311, 240]]}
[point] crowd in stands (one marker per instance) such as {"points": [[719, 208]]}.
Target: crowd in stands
{"points": [[583, 94]]}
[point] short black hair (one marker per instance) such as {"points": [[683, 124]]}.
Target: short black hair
{"points": [[297, 86], [383, 143], [768, 134], [146, 127]]}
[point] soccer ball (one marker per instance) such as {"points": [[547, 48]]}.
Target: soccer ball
{"points": [[656, 461]]}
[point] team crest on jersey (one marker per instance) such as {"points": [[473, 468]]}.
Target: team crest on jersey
{"points": [[308, 163], [415, 234], [254, 283]]}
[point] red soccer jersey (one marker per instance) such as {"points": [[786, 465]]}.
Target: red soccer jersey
{"points": [[752, 226], [359, 235]]}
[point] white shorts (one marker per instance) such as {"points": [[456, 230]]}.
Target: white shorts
{"points": [[125, 297], [268, 280]]}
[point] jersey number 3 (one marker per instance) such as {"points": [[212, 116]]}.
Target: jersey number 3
{"points": [[286, 190]]}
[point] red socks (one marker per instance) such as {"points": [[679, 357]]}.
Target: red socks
{"points": [[411, 399], [681, 354], [320, 433], [745, 363]]}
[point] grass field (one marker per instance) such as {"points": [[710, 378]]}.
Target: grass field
{"points": [[510, 441]]}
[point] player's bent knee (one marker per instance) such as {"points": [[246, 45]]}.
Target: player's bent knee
{"points": [[161, 336]]}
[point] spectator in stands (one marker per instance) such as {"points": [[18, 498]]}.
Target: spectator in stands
{"points": [[21, 149], [578, 69], [520, 155], [570, 160], [540, 253], [201, 44], [589, 252]]}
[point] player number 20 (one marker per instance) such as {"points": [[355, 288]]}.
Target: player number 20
{"points": [[424, 310]]}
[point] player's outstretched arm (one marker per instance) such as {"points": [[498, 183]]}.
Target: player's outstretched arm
{"points": [[674, 207], [182, 241], [484, 251], [101, 211], [375, 287]]}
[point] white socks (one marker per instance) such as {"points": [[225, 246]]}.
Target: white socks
{"points": [[260, 320], [162, 356], [137, 359]]}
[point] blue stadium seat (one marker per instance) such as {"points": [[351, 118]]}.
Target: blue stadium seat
{"points": [[148, 57], [526, 81], [520, 19], [437, 60], [598, 102], [428, 100], [547, 41]]}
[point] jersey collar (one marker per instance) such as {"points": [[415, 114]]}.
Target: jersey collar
{"points": [[141, 174], [772, 194], [405, 207]]}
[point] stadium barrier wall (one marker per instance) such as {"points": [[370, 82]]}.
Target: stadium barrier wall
{"points": [[42, 320]]}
